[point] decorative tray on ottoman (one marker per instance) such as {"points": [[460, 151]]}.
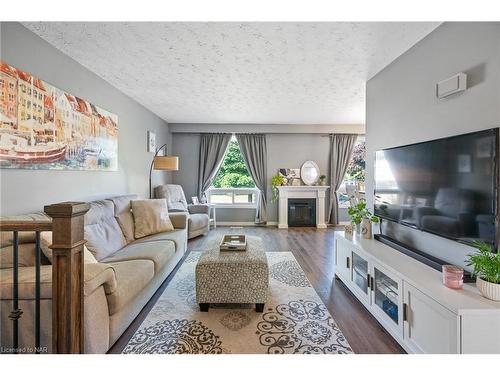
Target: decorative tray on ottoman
{"points": [[233, 242]]}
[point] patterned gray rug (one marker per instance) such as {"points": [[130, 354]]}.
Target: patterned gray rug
{"points": [[294, 319]]}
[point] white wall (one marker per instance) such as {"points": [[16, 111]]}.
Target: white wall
{"points": [[23, 191], [402, 107], [283, 151]]}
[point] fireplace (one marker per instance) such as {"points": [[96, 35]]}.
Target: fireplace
{"points": [[302, 212]]}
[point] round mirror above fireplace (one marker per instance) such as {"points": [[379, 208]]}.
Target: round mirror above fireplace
{"points": [[309, 172]]}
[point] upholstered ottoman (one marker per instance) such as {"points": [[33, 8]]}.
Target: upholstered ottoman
{"points": [[232, 276]]}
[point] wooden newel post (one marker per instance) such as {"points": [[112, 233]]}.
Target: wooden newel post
{"points": [[67, 275]]}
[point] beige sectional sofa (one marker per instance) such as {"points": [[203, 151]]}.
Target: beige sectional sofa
{"points": [[124, 275]]}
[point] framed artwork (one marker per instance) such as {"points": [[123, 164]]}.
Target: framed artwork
{"points": [[151, 142], [289, 172], [292, 175], [195, 200], [43, 127]]}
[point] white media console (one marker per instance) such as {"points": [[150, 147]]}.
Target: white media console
{"points": [[409, 299]]}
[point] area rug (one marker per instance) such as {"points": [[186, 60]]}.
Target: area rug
{"points": [[294, 319]]}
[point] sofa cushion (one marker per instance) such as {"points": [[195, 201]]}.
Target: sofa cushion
{"points": [[150, 217], [197, 221], [26, 284], [177, 237], [123, 214], [26, 254], [131, 278], [102, 232], [159, 252]]}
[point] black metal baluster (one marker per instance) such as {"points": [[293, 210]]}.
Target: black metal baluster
{"points": [[16, 312], [37, 293]]}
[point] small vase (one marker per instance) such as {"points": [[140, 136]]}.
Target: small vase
{"points": [[322, 183], [366, 228], [488, 290], [348, 230], [358, 228]]}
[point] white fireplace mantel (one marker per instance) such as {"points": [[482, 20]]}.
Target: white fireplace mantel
{"points": [[317, 192]]}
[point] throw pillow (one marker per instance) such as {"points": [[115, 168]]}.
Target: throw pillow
{"points": [[46, 241], [150, 217], [88, 257]]}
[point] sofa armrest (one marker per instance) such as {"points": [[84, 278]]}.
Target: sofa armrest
{"points": [[198, 209], [97, 274], [179, 219]]}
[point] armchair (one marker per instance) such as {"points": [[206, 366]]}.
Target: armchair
{"points": [[451, 214], [198, 218]]}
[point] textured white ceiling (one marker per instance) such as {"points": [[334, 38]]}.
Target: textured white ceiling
{"points": [[278, 73]]}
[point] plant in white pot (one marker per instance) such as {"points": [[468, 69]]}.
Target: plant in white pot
{"points": [[486, 267], [359, 214]]}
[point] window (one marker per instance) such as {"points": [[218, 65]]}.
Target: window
{"points": [[233, 186], [355, 174]]}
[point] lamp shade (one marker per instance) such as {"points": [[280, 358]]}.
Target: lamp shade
{"points": [[166, 163]]}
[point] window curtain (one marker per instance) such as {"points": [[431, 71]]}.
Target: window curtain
{"points": [[254, 151], [212, 149], [341, 146]]}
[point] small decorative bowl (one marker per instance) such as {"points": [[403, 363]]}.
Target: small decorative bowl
{"points": [[453, 276]]}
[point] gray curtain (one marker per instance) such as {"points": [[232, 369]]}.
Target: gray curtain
{"points": [[254, 151], [341, 146], [212, 149]]}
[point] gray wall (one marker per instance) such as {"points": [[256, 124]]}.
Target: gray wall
{"points": [[402, 107], [28, 190], [283, 150]]}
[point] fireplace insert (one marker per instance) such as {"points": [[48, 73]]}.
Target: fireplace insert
{"points": [[302, 212]]}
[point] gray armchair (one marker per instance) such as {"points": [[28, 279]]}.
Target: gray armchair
{"points": [[198, 219], [451, 214]]}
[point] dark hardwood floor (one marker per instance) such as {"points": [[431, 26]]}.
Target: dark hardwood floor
{"points": [[314, 250]]}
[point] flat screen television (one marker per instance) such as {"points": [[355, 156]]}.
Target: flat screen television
{"points": [[447, 187]]}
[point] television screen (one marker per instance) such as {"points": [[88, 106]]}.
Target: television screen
{"points": [[447, 187]]}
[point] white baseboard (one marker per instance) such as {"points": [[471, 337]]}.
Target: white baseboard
{"points": [[244, 224]]}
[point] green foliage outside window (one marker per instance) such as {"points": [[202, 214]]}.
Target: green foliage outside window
{"points": [[233, 173], [356, 168]]}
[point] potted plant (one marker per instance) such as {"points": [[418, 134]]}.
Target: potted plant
{"points": [[277, 180], [322, 180], [359, 214], [486, 268]]}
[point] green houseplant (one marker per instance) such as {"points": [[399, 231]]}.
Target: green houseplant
{"points": [[276, 180], [359, 214], [322, 180], [486, 267]]}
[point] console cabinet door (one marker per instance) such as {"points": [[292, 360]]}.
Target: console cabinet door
{"points": [[360, 276], [429, 327], [343, 260], [387, 299]]}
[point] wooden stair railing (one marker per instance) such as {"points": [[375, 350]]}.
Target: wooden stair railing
{"points": [[67, 275]]}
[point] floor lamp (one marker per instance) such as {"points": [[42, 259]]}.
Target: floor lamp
{"points": [[162, 163]]}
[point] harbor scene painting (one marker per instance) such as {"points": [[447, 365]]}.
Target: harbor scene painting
{"points": [[43, 127]]}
